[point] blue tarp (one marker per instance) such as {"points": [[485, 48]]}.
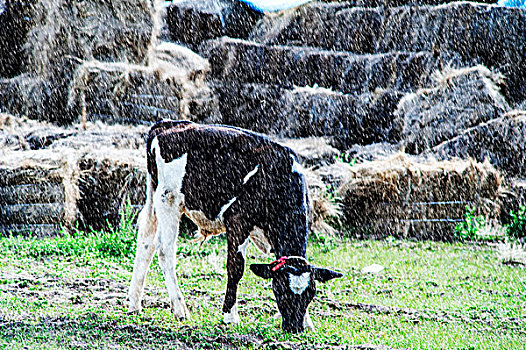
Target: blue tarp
{"points": [[274, 5], [512, 3]]}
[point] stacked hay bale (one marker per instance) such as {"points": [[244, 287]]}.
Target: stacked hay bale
{"points": [[404, 198], [38, 192], [460, 99], [108, 179], [46, 190], [129, 93], [75, 178], [63, 35], [501, 140]]}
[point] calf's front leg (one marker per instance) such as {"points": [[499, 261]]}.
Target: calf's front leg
{"points": [[235, 269]]}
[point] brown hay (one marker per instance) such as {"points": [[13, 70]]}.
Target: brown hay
{"points": [[108, 178], [21, 133], [460, 99], [44, 166], [25, 95], [64, 35], [401, 197], [173, 78], [87, 30], [93, 186], [322, 208], [312, 151]]}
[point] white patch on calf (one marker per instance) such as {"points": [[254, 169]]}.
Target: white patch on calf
{"points": [[168, 204], [307, 322], [243, 248], [250, 174], [298, 284], [147, 223], [225, 207], [170, 175]]}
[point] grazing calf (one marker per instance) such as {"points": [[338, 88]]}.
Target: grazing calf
{"points": [[229, 180]]}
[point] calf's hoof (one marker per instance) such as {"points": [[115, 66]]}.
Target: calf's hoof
{"points": [[180, 312], [134, 308], [307, 323], [232, 317]]}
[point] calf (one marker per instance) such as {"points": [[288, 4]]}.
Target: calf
{"points": [[229, 180]]}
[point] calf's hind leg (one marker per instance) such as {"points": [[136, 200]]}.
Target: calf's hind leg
{"points": [[147, 222], [169, 214]]}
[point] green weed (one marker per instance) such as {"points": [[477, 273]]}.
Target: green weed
{"points": [[517, 227], [471, 226], [345, 158]]}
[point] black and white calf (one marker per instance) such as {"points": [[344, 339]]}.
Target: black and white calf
{"points": [[229, 180]]}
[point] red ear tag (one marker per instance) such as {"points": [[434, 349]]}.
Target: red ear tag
{"points": [[280, 261]]}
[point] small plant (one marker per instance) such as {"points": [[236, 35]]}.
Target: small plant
{"points": [[517, 227], [345, 158], [332, 195], [471, 226]]}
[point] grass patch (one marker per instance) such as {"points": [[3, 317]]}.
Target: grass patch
{"points": [[112, 243], [70, 292]]}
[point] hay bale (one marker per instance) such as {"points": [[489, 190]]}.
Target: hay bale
{"points": [[192, 22], [21, 133], [29, 134], [47, 192], [461, 98], [38, 188], [99, 135], [38, 213], [502, 141], [403, 198], [312, 151], [374, 151], [122, 92], [64, 34], [26, 95], [108, 178], [290, 66], [89, 30], [486, 34], [303, 112], [33, 230], [15, 21]]}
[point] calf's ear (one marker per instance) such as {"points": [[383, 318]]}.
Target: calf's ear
{"points": [[262, 270], [324, 275]]}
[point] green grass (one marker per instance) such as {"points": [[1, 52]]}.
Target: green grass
{"points": [[70, 292]]}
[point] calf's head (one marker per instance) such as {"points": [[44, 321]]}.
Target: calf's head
{"points": [[293, 286]]}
